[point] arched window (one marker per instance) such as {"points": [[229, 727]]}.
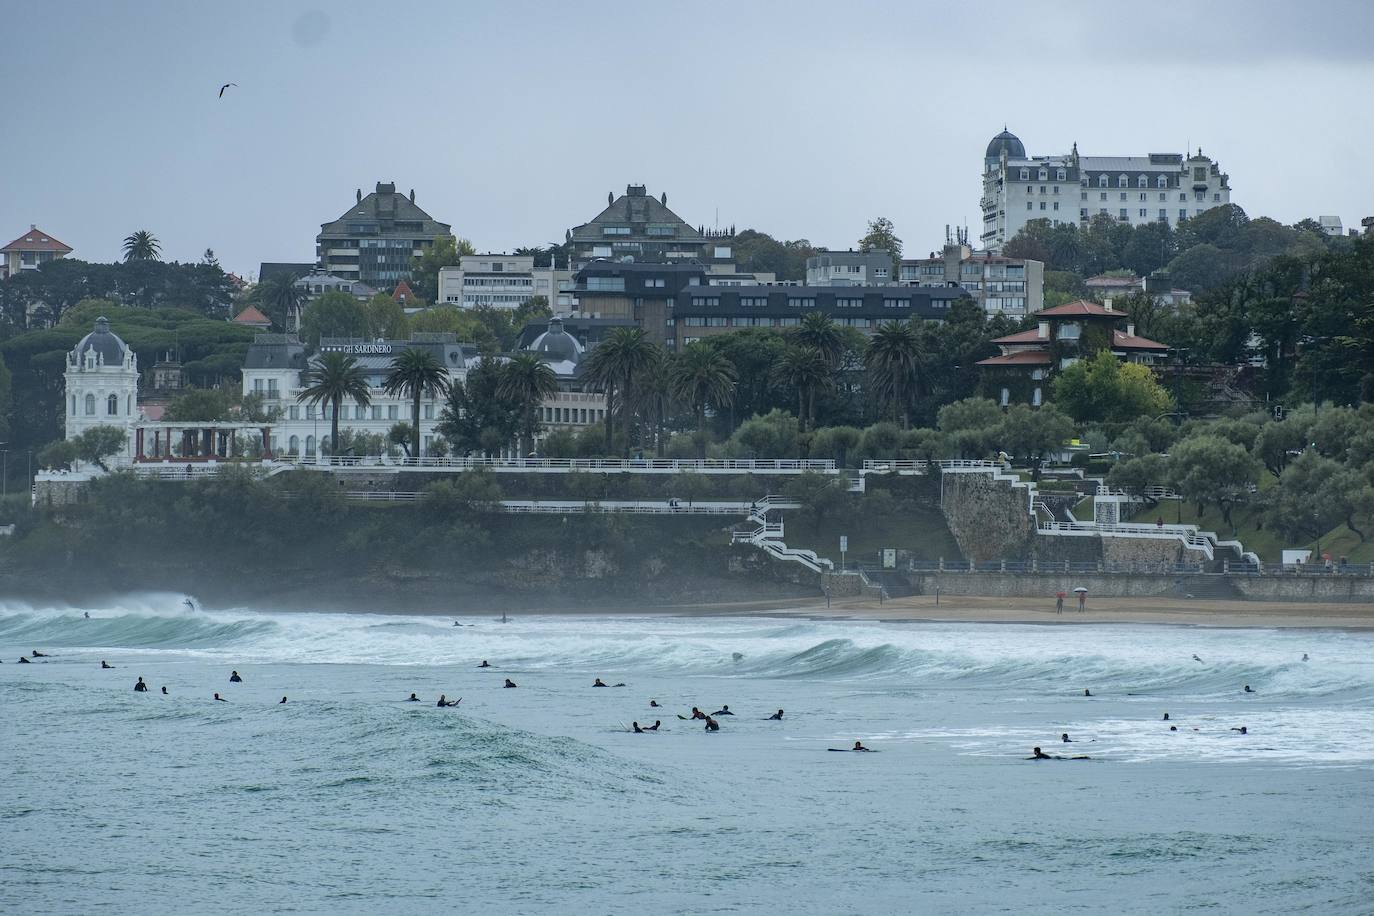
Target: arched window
{"points": [[310, 446], [1142, 182], [90, 405], [112, 405], [73, 405], [1059, 175], [1101, 181], [1162, 181], [293, 445], [1123, 182], [1044, 173]]}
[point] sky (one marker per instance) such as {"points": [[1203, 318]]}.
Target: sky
{"points": [[511, 120]]}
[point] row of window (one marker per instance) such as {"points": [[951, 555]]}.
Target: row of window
{"points": [[1182, 198], [111, 405], [372, 412], [1030, 205], [1142, 213], [580, 415], [498, 281], [758, 321]]}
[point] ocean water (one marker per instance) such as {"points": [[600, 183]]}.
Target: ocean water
{"points": [[539, 800]]}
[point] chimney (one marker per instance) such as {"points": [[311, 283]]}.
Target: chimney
{"points": [[360, 195], [1107, 304], [1130, 330], [412, 195], [32, 227]]}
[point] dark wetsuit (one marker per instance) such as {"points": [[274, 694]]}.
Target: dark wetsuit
{"points": [[235, 679], [141, 687], [712, 725], [723, 711], [775, 717], [654, 727]]}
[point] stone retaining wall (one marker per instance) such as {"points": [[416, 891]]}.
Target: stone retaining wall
{"points": [[1143, 585]]}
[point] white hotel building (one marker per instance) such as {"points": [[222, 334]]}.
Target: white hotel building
{"points": [[1159, 187], [505, 281]]}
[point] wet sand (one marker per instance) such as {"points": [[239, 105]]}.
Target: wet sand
{"points": [[1192, 612]]}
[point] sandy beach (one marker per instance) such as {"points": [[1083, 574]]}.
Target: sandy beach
{"points": [[1099, 610]]}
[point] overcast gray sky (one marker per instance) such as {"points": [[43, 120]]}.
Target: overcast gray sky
{"points": [[512, 120]]}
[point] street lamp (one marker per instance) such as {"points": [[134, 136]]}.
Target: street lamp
{"points": [[1316, 402], [1180, 353]]}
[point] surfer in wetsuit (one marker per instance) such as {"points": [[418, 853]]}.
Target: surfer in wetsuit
{"points": [[141, 687], [485, 664], [1173, 728], [1243, 730], [1087, 692], [220, 698], [712, 725], [1247, 689], [164, 691], [638, 730], [1065, 738], [653, 704], [598, 683], [654, 727], [24, 661], [234, 678], [509, 683], [1037, 754], [697, 714], [1166, 717], [36, 654], [106, 665], [859, 746], [1304, 656], [723, 711], [412, 699], [283, 700], [444, 701], [775, 717], [1195, 658]]}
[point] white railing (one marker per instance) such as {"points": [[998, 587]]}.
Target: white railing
{"points": [[1151, 493], [567, 465], [1188, 535], [564, 506], [921, 466]]}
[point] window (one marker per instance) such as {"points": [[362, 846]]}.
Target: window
{"points": [[1030, 205], [1216, 198], [112, 405], [705, 301], [849, 303], [1200, 173], [1006, 396], [1163, 197], [376, 412], [753, 302], [1122, 181], [1056, 205], [1103, 211], [1042, 205], [1068, 330], [654, 283], [1035, 398], [881, 272], [293, 445], [1142, 195], [1121, 214], [1056, 189], [1123, 195], [1025, 174], [801, 302], [615, 230], [73, 405], [660, 230], [1162, 181], [310, 411], [293, 412], [1044, 173], [1082, 195], [90, 405], [393, 412], [1102, 195], [1101, 181], [359, 412], [1042, 189], [1163, 214], [1142, 212], [1059, 175], [429, 411], [1142, 182], [896, 303], [1183, 198], [606, 284], [1182, 213]]}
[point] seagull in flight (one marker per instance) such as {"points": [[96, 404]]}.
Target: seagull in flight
{"points": [[224, 87]]}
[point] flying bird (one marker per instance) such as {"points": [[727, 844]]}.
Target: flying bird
{"points": [[224, 87]]}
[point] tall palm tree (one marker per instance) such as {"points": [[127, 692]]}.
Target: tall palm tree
{"points": [[142, 246], [415, 374], [615, 366], [334, 379], [280, 298], [525, 382], [653, 397], [701, 377], [894, 366], [806, 369], [820, 331]]}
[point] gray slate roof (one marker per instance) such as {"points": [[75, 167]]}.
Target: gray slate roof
{"points": [[385, 207], [637, 210]]}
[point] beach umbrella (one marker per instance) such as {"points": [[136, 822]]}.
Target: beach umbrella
{"points": [[1081, 590]]}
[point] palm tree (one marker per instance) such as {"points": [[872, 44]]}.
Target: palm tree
{"points": [[806, 369], [701, 377], [142, 246], [653, 397], [616, 366], [280, 298], [415, 374], [820, 331], [894, 366], [525, 382], [332, 380]]}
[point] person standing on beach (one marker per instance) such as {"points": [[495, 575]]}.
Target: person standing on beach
{"points": [[1059, 603], [1082, 600]]}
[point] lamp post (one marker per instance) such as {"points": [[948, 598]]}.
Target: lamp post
{"points": [[4, 471], [1316, 402], [1177, 353]]}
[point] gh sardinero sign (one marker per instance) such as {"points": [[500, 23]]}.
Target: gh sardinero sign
{"points": [[358, 349]]}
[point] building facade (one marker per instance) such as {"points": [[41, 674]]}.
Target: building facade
{"points": [[1001, 286], [1137, 190], [638, 226], [101, 385], [30, 251], [1062, 336], [708, 311], [504, 281], [849, 268], [275, 369], [376, 240]]}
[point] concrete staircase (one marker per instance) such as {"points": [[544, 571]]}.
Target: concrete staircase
{"points": [[768, 536]]}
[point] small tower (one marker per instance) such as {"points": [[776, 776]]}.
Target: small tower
{"points": [[101, 384]]}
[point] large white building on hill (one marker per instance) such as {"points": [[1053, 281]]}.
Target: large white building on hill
{"points": [[1159, 187], [101, 383]]}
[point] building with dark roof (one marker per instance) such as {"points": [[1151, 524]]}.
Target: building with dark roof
{"points": [[1073, 189], [30, 251], [376, 240], [1000, 285], [642, 227], [101, 384], [707, 311], [1063, 335]]}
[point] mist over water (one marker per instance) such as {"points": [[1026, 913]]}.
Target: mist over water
{"points": [[348, 799]]}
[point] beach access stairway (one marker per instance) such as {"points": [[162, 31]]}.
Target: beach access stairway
{"points": [[768, 536], [1109, 507]]}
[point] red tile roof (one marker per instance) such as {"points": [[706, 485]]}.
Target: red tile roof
{"points": [[252, 316], [1079, 309], [36, 240], [1132, 342], [153, 412], [403, 292], [1024, 358], [1031, 336]]}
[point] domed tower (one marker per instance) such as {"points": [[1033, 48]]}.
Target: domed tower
{"points": [[557, 346], [101, 382], [1005, 142]]}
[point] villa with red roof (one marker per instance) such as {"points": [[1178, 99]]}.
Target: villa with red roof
{"points": [[252, 317], [29, 251], [1063, 335]]}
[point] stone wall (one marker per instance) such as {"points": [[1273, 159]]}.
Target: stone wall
{"points": [[1144, 551], [988, 517], [1141, 585], [60, 491]]}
